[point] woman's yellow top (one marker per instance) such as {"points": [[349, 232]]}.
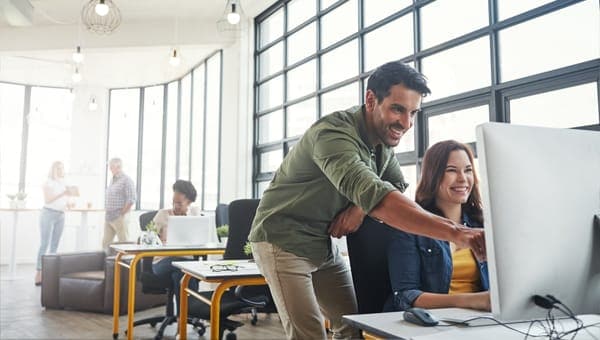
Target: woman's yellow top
{"points": [[465, 272]]}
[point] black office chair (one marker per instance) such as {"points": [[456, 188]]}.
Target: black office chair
{"points": [[241, 299], [367, 248], [221, 215], [153, 284]]}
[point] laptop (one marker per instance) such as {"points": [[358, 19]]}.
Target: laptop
{"points": [[191, 230]]}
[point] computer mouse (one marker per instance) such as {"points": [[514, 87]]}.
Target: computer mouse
{"points": [[420, 316]]}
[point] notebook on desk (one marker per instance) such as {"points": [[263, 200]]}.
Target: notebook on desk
{"points": [[191, 230]]}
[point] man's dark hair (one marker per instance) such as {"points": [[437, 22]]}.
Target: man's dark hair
{"points": [[395, 73], [186, 188]]}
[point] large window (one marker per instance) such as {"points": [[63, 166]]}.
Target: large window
{"points": [[35, 131], [526, 62], [152, 147], [122, 129], [49, 137], [12, 99], [179, 126]]}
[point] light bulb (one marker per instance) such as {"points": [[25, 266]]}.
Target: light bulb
{"points": [[93, 106], [233, 17], [76, 76], [101, 8], [174, 60], [78, 56]]}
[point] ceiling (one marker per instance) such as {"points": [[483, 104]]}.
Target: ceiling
{"points": [[136, 53]]}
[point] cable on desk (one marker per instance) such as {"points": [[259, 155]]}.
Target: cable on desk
{"points": [[550, 328]]}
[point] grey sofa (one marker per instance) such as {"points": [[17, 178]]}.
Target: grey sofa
{"points": [[85, 281]]}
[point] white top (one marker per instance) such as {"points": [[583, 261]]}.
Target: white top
{"points": [[56, 187]]}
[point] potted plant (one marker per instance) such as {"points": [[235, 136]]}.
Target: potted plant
{"points": [[248, 249], [223, 233], [149, 237], [17, 201]]}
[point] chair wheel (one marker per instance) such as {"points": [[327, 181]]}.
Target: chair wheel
{"points": [[254, 321], [230, 336], [201, 331], [152, 324], [115, 336]]}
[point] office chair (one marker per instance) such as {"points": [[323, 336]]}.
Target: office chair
{"points": [[221, 215], [252, 298], [367, 248], [153, 284]]}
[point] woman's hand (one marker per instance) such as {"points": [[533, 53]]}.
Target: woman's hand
{"points": [[479, 301]]}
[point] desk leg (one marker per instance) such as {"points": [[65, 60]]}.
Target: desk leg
{"points": [[183, 306], [116, 296], [12, 264], [131, 295], [215, 309]]}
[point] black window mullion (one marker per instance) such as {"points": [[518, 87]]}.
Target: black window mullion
{"points": [[220, 125], [141, 96], [163, 157], [204, 113], [178, 130]]}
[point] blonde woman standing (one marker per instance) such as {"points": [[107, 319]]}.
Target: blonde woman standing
{"points": [[52, 217]]}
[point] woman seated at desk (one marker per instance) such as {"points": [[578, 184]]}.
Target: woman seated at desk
{"points": [[429, 273], [184, 194]]}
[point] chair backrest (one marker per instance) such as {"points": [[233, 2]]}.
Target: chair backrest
{"points": [[367, 249], [222, 214], [146, 217], [241, 215]]}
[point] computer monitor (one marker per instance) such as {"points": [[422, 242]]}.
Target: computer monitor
{"points": [[540, 191]]}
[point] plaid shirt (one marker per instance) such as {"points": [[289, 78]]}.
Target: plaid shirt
{"points": [[120, 192]]}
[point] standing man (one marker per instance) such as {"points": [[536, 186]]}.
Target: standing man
{"points": [[120, 196], [342, 168]]}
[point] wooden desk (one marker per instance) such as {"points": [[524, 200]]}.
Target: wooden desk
{"points": [[392, 325], [246, 275], [138, 252]]}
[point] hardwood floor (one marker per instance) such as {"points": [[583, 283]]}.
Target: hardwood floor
{"points": [[23, 317]]}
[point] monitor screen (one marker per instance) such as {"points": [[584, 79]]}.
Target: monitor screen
{"points": [[540, 191]]}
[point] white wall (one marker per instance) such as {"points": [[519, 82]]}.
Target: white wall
{"points": [[237, 119]]}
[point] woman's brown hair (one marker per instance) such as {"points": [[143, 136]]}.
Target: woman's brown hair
{"points": [[432, 172]]}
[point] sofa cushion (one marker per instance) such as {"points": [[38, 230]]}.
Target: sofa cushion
{"points": [[89, 275], [82, 291]]}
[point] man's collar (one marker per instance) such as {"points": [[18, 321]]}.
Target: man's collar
{"points": [[362, 126]]}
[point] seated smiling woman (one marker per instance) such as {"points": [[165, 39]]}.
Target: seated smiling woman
{"points": [[429, 273]]}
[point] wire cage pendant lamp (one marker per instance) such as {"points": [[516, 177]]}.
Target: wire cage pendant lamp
{"points": [[101, 16], [230, 22]]}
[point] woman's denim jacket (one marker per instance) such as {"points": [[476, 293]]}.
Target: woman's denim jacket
{"points": [[420, 264]]}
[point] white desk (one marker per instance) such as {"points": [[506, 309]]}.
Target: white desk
{"points": [[392, 325], [246, 274], [138, 252]]}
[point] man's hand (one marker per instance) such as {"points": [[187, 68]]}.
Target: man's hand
{"points": [[474, 239], [479, 301], [347, 221]]}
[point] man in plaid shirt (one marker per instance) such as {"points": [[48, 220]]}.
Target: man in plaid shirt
{"points": [[120, 197]]}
